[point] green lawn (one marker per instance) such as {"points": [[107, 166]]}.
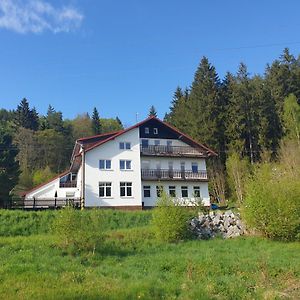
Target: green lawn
{"points": [[133, 265]]}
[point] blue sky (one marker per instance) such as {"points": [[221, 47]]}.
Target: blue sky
{"points": [[123, 56]]}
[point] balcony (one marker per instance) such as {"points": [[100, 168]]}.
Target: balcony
{"points": [[68, 184], [179, 151], [187, 175]]}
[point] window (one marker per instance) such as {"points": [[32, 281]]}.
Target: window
{"points": [[169, 143], [184, 192], [125, 189], [147, 130], [155, 130], [197, 191], [182, 166], [145, 143], [159, 190], [104, 164], [195, 167], [170, 164], [125, 164], [147, 191], [156, 142], [104, 189], [146, 164], [172, 191], [125, 145]]}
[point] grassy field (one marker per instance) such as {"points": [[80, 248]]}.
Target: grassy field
{"points": [[131, 264]]}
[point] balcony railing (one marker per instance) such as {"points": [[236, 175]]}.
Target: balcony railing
{"points": [[160, 174], [68, 184], [164, 150]]}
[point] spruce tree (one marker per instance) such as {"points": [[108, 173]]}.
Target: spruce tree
{"points": [[9, 167], [243, 116], [25, 117], [152, 111], [96, 126], [204, 105]]}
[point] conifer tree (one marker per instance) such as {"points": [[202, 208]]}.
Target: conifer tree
{"points": [[25, 117], [152, 111], [96, 126], [9, 167], [204, 104]]}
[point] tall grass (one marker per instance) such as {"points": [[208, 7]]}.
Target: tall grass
{"points": [[25, 223]]}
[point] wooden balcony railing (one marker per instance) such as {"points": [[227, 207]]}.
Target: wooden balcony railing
{"points": [[161, 174], [165, 150], [68, 184]]}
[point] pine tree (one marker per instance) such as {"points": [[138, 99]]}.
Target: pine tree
{"points": [[152, 111], [9, 167], [119, 121], [96, 126], [25, 117]]}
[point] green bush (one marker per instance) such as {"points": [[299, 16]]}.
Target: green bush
{"points": [[170, 219], [79, 231], [272, 203]]}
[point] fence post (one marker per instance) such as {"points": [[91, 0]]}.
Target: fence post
{"points": [[55, 202], [33, 202]]}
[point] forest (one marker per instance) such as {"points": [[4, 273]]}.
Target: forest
{"points": [[247, 119]]}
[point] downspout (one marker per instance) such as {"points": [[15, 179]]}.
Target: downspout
{"points": [[82, 202]]}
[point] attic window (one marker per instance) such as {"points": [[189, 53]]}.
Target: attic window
{"points": [[146, 130], [155, 130]]}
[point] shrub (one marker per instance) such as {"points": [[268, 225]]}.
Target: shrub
{"points": [[78, 230], [272, 203], [170, 219]]}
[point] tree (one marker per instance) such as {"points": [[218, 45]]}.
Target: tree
{"points": [[54, 119], [96, 125], [243, 116], [238, 170], [25, 117], [152, 111], [111, 124], [82, 126], [9, 167], [291, 118], [204, 107]]}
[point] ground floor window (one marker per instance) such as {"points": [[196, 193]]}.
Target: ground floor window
{"points": [[125, 189], [172, 191], [159, 190], [147, 191], [104, 189], [197, 191], [184, 192]]}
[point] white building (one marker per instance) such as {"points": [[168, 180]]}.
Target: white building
{"points": [[128, 169]]}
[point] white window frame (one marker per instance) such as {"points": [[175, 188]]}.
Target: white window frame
{"points": [[198, 189], [172, 188], [127, 164], [105, 164], [147, 130], [125, 146], [148, 189], [183, 189], [107, 186], [159, 191], [195, 164], [155, 131], [127, 186]]}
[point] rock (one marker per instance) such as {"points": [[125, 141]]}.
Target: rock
{"points": [[226, 225]]}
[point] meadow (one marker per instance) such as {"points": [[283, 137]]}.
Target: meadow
{"points": [[132, 264]]}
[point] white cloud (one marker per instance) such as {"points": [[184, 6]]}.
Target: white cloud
{"points": [[36, 16]]}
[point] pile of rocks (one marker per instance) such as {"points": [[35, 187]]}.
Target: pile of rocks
{"points": [[225, 224]]}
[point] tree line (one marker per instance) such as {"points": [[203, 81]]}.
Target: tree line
{"points": [[246, 119], [41, 145]]}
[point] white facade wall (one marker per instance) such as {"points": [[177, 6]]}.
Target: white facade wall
{"points": [[93, 175], [150, 201], [49, 190]]}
